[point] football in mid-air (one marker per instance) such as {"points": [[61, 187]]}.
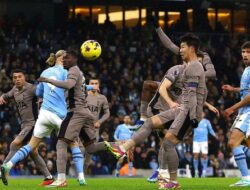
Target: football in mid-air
{"points": [[91, 50]]}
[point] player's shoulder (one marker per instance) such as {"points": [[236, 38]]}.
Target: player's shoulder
{"points": [[247, 69], [175, 70], [30, 85], [74, 68], [102, 96], [46, 71]]}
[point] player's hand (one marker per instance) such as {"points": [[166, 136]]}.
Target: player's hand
{"points": [[42, 79], [2, 101], [228, 88], [174, 105], [97, 124], [194, 123], [228, 112], [214, 109]]}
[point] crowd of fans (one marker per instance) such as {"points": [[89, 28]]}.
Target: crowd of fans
{"points": [[129, 56]]}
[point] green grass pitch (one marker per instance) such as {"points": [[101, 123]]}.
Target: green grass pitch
{"points": [[126, 184]]}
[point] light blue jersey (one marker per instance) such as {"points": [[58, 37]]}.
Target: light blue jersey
{"points": [[53, 97], [244, 89], [123, 132], [201, 132]]}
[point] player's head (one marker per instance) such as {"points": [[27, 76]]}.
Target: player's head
{"points": [[245, 52], [189, 46], [70, 59], [94, 82], [127, 119], [56, 58], [18, 77]]}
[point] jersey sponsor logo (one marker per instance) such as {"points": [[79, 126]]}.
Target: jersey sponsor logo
{"points": [[93, 108], [21, 105]]}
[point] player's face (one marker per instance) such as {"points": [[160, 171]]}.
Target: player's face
{"points": [[94, 83], [61, 58], [18, 79], [184, 51], [127, 120], [246, 56], [69, 61]]}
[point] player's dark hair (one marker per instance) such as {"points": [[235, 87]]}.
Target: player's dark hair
{"points": [[246, 45], [191, 40], [72, 53], [17, 71]]}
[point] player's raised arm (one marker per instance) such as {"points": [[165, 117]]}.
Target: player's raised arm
{"points": [[208, 65], [167, 42]]}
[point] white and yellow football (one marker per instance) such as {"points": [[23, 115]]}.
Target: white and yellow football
{"points": [[91, 50]]}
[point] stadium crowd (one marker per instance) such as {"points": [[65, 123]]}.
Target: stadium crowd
{"points": [[129, 57]]}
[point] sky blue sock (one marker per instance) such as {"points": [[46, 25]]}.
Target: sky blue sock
{"points": [[246, 151], [118, 166], [195, 164], [21, 154], [240, 159], [130, 167], [204, 164], [78, 159]]}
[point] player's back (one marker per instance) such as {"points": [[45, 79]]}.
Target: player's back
{"points": [[201, 132], [244, 89], [53, 97]]}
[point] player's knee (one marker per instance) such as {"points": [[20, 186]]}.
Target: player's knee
{"points": [[168, 145], [156, 121], [196, 156], [15, 145]]}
